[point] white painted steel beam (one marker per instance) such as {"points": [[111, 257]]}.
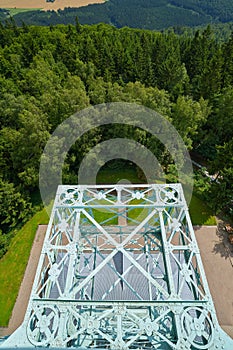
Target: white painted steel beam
{"points": [[80, 299]]}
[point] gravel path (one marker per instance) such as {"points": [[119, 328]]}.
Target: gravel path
{"points": [[217, 257]]}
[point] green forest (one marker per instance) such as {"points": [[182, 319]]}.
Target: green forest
{"points": [[149, 14], [48, 73]]}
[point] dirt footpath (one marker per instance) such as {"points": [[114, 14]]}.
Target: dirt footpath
{"points": [[217, 257]]}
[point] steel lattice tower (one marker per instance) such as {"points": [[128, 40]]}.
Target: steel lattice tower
{"points": [[120, 269]]}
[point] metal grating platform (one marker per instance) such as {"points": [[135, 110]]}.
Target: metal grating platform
{"points": [[120, 269]]}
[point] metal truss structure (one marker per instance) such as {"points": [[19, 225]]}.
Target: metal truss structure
{"points": [[120, 269]]}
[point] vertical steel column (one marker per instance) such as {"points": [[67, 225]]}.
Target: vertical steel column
{"points": [[168, 267]]}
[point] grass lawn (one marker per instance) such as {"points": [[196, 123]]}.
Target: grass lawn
{"points": [[15, 11], [13, 264], [200, 213], [112, 176], [102, 216]]}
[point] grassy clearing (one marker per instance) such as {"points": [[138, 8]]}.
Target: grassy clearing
{"points": [[112, 176], [13, 264], [14, 11], [200, 213], [102, 216]]}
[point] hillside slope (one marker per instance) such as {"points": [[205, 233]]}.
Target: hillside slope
{"points": [[150, 14]]}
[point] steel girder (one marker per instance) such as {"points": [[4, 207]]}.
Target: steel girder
{"points": [[120, 269]]}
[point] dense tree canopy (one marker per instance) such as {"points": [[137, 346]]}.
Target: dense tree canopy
{"points": [[149, 14], [49, 73]]}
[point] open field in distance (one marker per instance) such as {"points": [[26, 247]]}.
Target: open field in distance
{"points": [[42, 4]]}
